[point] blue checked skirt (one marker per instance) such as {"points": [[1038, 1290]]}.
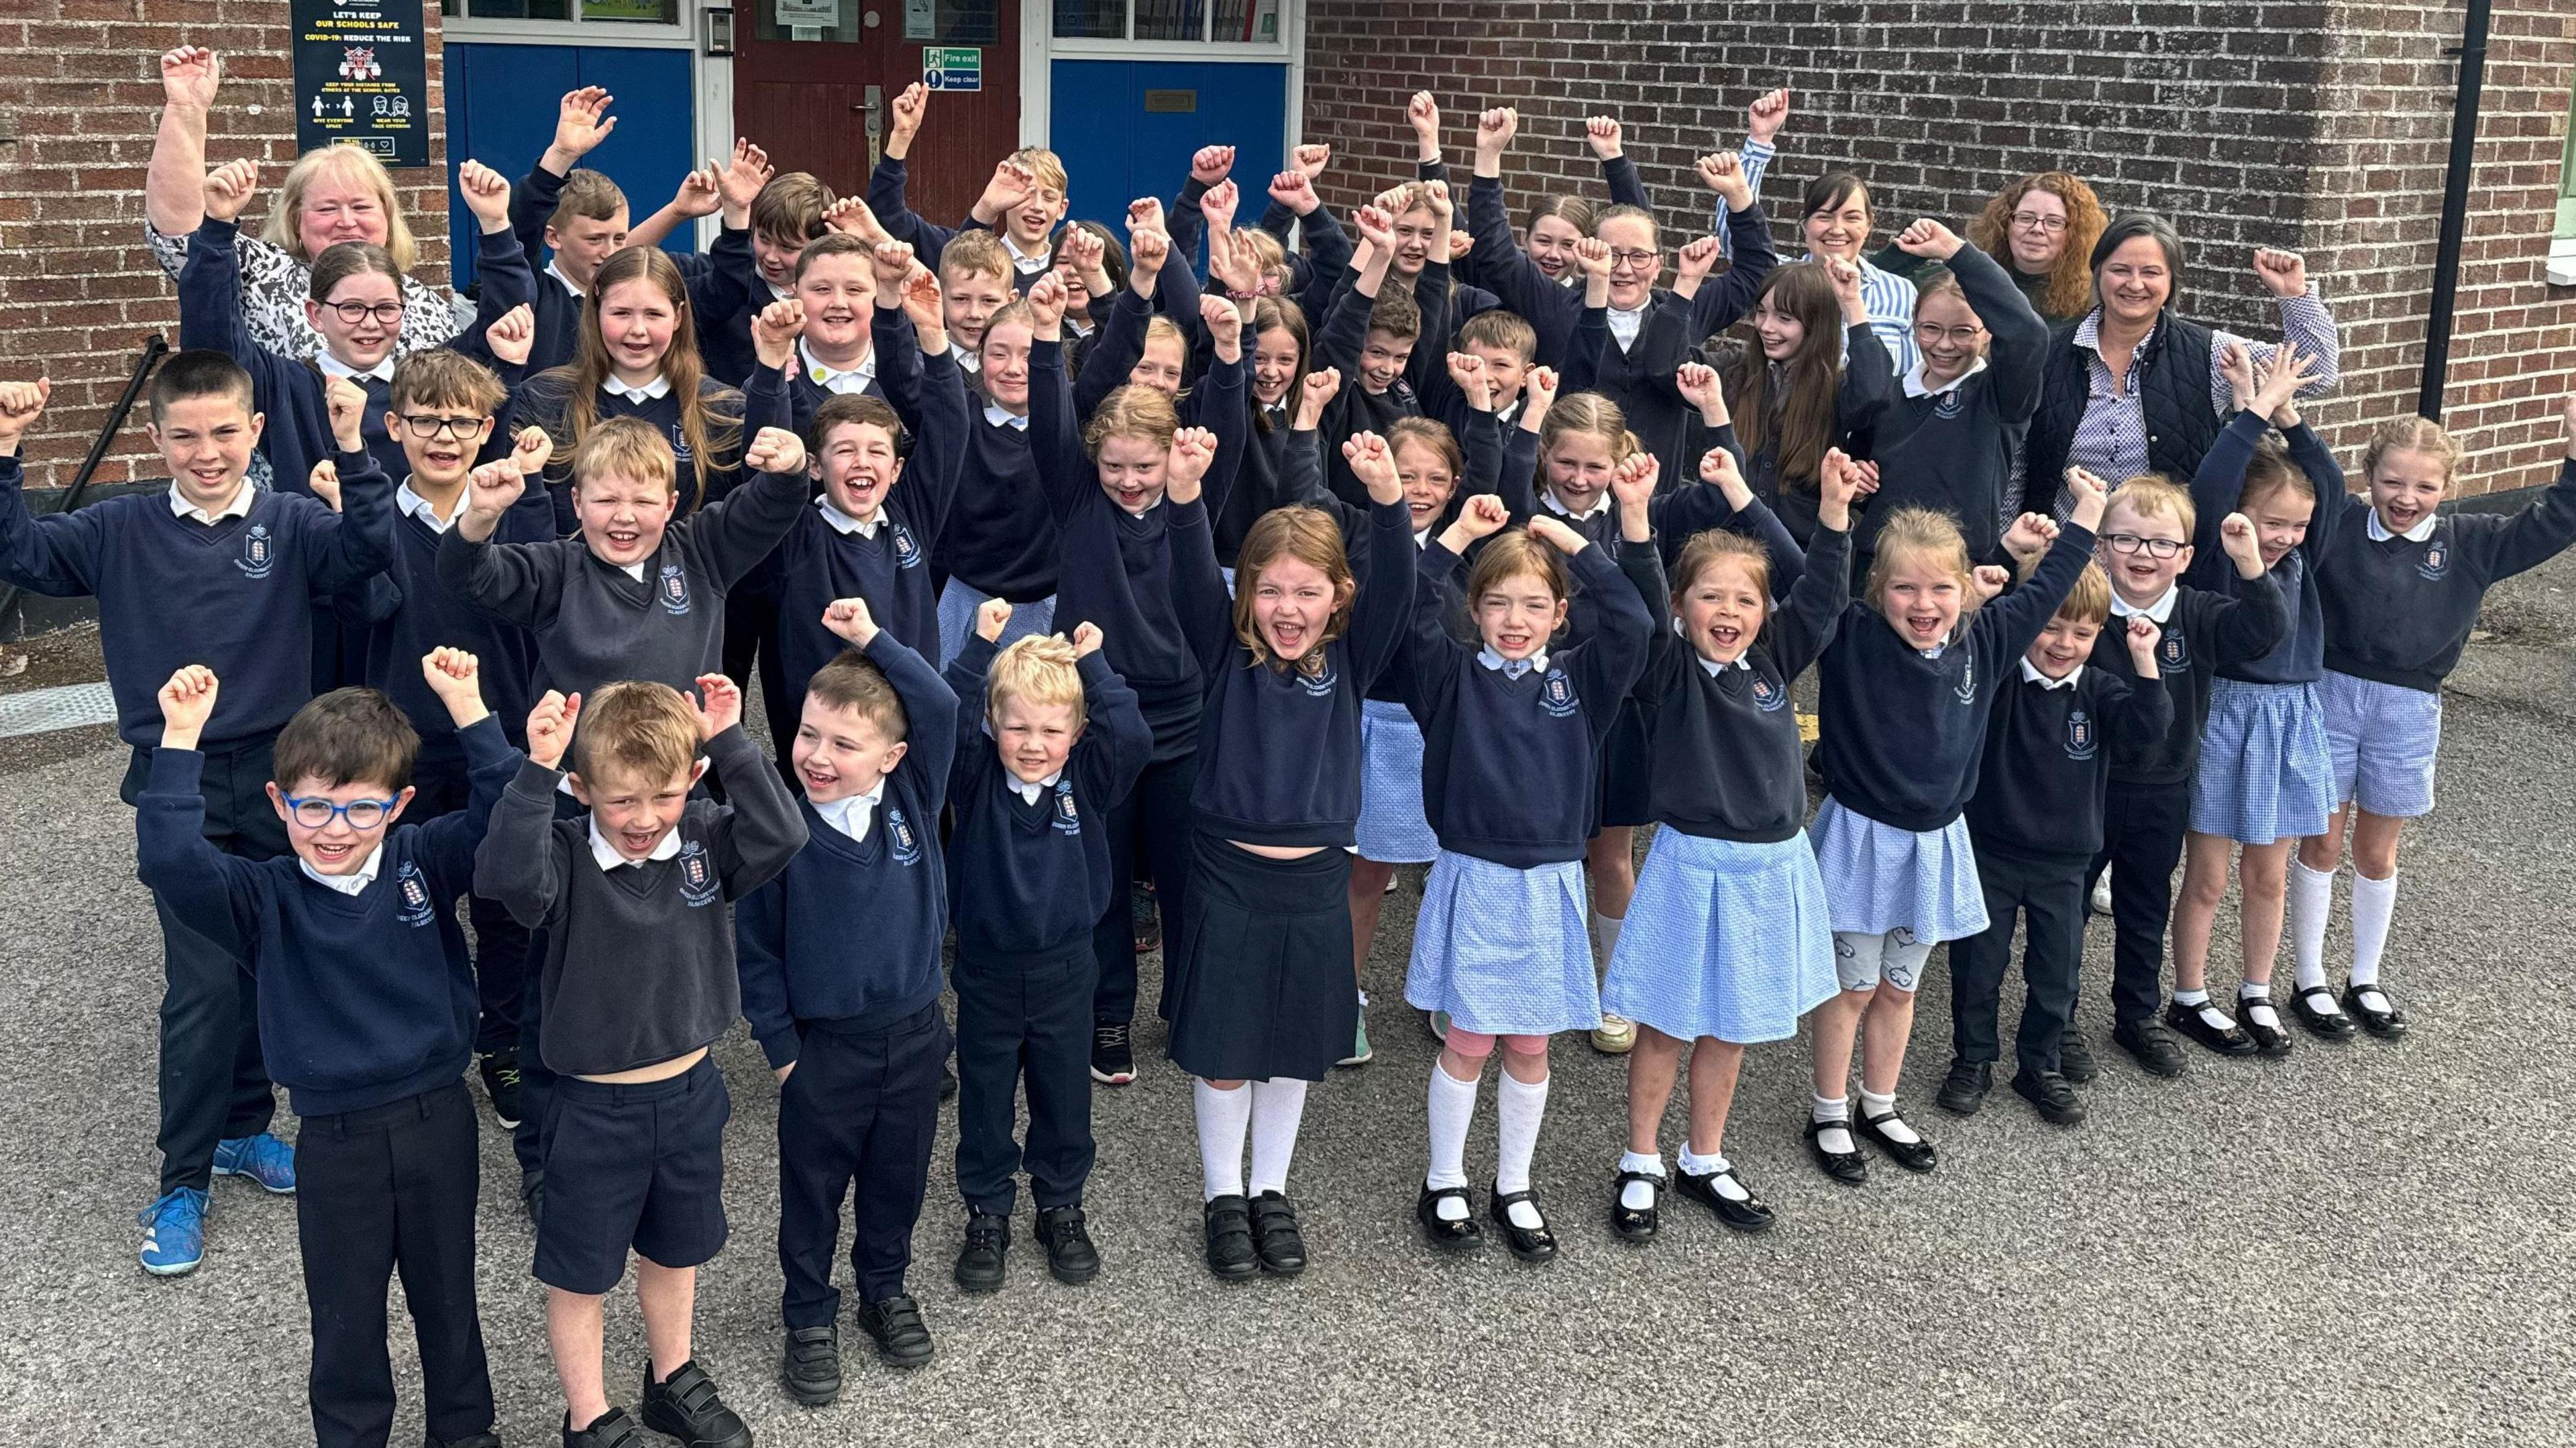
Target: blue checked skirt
{"points": [[1392, 830], [1505, 952], [2265, 773], [1879, 878], [958, 602], [1723, 939]]}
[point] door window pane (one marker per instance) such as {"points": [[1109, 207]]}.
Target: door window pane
{"points": [[807, 20], [1239, 22], [652, 12], [1090, 19], [1170, 19], [2567, 178]]}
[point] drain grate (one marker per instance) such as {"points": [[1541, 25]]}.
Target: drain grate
{"points": [[39, 711]]}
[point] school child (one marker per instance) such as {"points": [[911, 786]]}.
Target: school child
{"points": [[768, 222], [1555, 222], [2266, 776], [1507, 345], [1136, 344], [1280, 344], [849, 1019], [1905, 692], [1814, 378], [220, 573], [2036, 823], [366, 1004], [579, 215], [1021, 204], [1000, 539], [638, 980], [1509, 731], [1369, 335], [1257, 976], [2401, 583], [1029, 873], [975, 284], [836, 289], [1727, 942], [2145, 545]]}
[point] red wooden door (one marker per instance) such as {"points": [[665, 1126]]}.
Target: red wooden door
{"points": [[802, 83]]}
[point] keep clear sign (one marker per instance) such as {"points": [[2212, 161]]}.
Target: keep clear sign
{"points": [[361, 77], [952, 67]]}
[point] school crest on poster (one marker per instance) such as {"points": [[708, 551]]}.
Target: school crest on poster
{"points": [[2081, 736], [412, 902], [1967, 690], [907, 549], [1318, 685], [1556, 695], [672, 588], [2173, 651], [1767, 696], [2436, 561], [899, 833], [259, 552], [698, 883], [1068, 820]]}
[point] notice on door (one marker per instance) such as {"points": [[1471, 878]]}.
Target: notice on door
{"points": [[952, 67], [361, 77]]}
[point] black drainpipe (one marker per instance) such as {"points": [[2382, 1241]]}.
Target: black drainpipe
{"points": [[2472, 51]]}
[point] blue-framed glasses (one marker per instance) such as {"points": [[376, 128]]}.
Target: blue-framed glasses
{"points": [[315, 812]]}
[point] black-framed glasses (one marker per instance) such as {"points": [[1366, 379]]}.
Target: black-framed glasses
{"points": [[2158, 548], [352, 313], [2038, 221], [314, 812], [1632, 258], [425, 425]]}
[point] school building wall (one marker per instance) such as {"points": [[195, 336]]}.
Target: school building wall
{"points": [[2319, 126], [80, 96]]}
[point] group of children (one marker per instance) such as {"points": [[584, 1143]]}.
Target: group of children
{"points": [[1059, 566]]}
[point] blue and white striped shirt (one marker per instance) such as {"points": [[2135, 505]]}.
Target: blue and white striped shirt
{"points": [[1888, 298]]}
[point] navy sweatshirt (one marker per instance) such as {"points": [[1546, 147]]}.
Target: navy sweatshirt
{"points": [[799, 958], [927, 238], [1900, 734], [2204, 633], [556, 305], [236, 596], [545, 400], [1727, 760], [593, 623], [363, 999], [639, 964], [424, 615], [999, 537], [1029, 881], [1861, 400], [727, 291], [1339, 343], [2046, 770], [1279, 745], [2400, 612], [1117, 566], [2299, 657], [1507, 761]]}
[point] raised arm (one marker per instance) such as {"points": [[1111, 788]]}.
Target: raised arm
{"points": [[965, 674], [173, 180], [766, 829], [2305, 320]]}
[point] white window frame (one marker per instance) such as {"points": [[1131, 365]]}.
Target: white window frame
{"points": [[1039, 49]]}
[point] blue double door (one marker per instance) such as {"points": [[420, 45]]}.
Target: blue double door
{"points": [[1127, 128]]}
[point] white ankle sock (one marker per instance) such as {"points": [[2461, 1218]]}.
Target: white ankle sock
{"points": [[1278, 1105], [1875, 1106], [1519, 1107], [1223, 1116], [2255, 1001], [1453, 1108], [2191, 997], [1837, 1111], [1699, 1166], [2373, 903], [2311, 900], [1605, 938], [1637, 1196]]}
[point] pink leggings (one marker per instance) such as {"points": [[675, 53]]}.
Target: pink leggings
{"points": [[1476, 1045]]}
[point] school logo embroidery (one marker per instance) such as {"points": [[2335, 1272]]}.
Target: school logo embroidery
{"points": [[1067, 820], [2080, 740], [1949, 405], [1967, 689], [673, 590], [907, 845], [1556, 695], [680, 446], [2173, 651], [1767, 696], [1320, 685], [413, 891], [2435, 562], [259, 553], [907, 551], [698, 884]]}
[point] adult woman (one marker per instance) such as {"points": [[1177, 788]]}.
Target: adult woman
{"points": [[331, 194], [2134, 388], [1835, 220], [2041, 229]]}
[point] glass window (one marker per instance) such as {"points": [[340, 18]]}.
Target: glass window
{"points": [[1090, 19], [651, 12], [2567, 178], [1222, 22], [1170, 19], [513, 9], [805, 20]]}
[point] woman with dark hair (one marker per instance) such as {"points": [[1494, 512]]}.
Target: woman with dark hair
{"points": [[2134, 388], [2041, 230], [1835, 218]]}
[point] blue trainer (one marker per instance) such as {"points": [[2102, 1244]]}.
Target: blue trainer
{"points": [[266, 1160], [174, 1232]]}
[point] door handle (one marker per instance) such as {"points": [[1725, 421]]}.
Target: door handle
{"points": [[876, 122]]}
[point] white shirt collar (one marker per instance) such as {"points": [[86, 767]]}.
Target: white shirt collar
{"points": [[354, 883], [1029, 792], [1600, 505], [778, 293], [414, 505], [238, 507], [608, 858], [381, 372], [1024, 261], [966, 358], [851, 816], [1534, 664], [633, 570], [1625, 325], [2160, 610], [831, 379], [2379, 531], [653, 391], [2031, 675], [557, 273], [843, 524], [1915, 386], [1000, 416]]}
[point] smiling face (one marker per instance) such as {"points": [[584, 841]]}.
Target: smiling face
{"points": [[1923, 598], [1383, 360], [1948, 331], [1035, 739], [1517, 614], [637, 322], [581, 243], [1028, 223], [1276, 361], [1579, 465], [840, 296], [2064, 645], [1160, 366], [622, 518], [2406, 486], [1006, 367], [1415, 230], [1504, 367], [1131, 470], [840, 752], [339, 208], [2140, 578], [2135, 281], [206, 443], [967, 302], [1428, 481], [337, 848], [2280, 522], [775, 258], [1722, 611], [1292, 605], [439, 464], [1777, 328], [1636, 260], [859, 468], [1839, 228], [2037, 232], [369, 340], [633, 809], [1551, 245]]}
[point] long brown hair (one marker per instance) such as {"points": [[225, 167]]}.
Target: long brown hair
{"points": [[708, 432], [1279, 314], [2069, 292], [1311, 537], [1795, 411]]}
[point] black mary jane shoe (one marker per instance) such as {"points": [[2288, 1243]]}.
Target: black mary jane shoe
{"points": [[1462, 1235], [1748, 1213], [1530, 1244], [2075, 1057], [1230, 1253], [1848, 1167], [2268, 1040], [2187, 1021], [1635, 1224], [1275, 1235], [2385, 1024], [2313, 1005], [1915, 1156]]}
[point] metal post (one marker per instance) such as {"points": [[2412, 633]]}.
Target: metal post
{"points": [[2472, 52]]}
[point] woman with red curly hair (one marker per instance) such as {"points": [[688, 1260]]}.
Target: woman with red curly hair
{"points": [[2040, 229]]}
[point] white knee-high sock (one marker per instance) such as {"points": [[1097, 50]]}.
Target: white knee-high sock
{"points": [[1605, 938], [1278, 1105], [2311, 901], [1223, 1116], [1453, 1107], [2373, 903], [1519, 1107]]}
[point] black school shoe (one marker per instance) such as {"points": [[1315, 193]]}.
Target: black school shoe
{"points": [[1848, 1167], [895, 1326], [2075, 1057], [1914, 1156], [982, 1260], [1636, 1224], [685, 1406], [1230, 1252], [1275, 1234], [500, 1071], [1462, 1235], [947, 1083], [2386, 1024], [811, 1366], [2268, 1040], [612, 1429], [2049, 1095], [2154, 1047], [1964, 1089], [1530, 1244], [2188, 1021], [1748, 1214], [2324, 1024], [479, 1440], [1071, 1258]]}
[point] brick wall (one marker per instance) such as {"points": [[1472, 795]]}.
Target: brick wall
{"points": [[80, 92], [2311, 125]]}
